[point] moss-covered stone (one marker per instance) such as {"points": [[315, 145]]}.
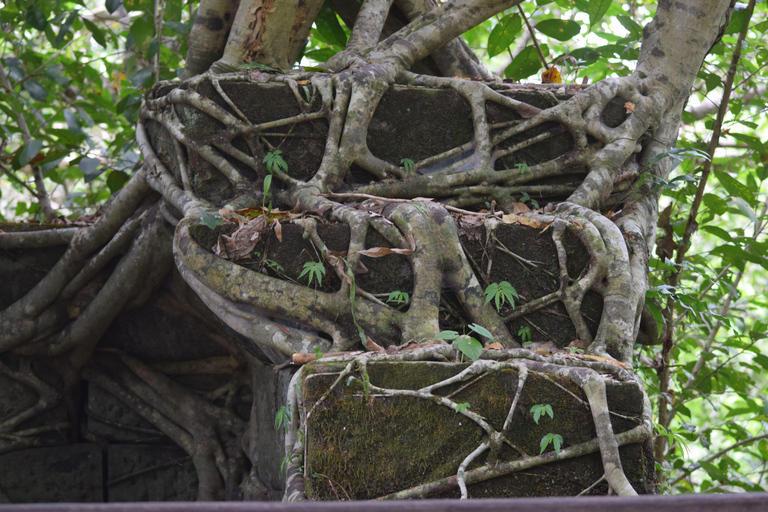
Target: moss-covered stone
{"points": [[363, 445]]}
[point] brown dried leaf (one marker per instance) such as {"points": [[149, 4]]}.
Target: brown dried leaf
{"points": [[278, 230], [378, 252], [629, 106], [513, 218], [372, 345], [494, 346], [239, 244], [605, 360], [520, 208]]}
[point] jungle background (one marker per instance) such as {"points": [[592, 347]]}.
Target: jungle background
{"points": [[74, 74]]}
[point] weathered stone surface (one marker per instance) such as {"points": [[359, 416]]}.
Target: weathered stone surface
{"points": [[150, 473], [56, 474], [362, 446], [270, 393]]}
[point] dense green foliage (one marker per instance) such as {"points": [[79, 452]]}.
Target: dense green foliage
{"points": [[73, 74]]}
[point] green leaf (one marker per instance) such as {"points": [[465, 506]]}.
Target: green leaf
{"points": [[113, 5], [116, 180], [595, 8], [36, 90], [447, 335], [752, 141], [525, 64], [503, 34], [30, 151], [562, 30], [461, 407], [656, 312], [482, 331], [468, 346], [329, 28], [555, 439], [635, 30], [321, 55], [209, 220], [141, 77], [735, 187], [142, 31], [745, 209], [739, 19], [65, 28], [73, 121], [539, 410], [98, 34], [36, 18], [90, 168]]}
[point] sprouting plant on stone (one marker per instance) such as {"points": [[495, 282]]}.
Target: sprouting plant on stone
{"points": [[210, 220], [365, 382], [555, 439], [314, 270], [463, 407], [398, 297], [500, 293], [540, 410], [283, 417], [318, 353], [468, 345], [408, 164], [525, 334], [525, 198]]}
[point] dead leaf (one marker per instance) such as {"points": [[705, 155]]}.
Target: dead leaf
{"points": [[551, 76], [278, 230], [372, 345], [494, 346], [239, 244], [378, 252], [520, 208], [513, 218], [629, 106], [605, 360]]}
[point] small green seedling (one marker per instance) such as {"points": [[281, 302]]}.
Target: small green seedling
{"points": [[313, 270], [408, 164], [461, 407], [398, 297], [539, 410], [555, 439], [468, 345], [500, 293], [210, 220], [275, 162], [283, 417], [525, 334], [318, 353]]}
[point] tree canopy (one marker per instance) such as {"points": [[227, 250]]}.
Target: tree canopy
{"points": [[74, 75]]}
